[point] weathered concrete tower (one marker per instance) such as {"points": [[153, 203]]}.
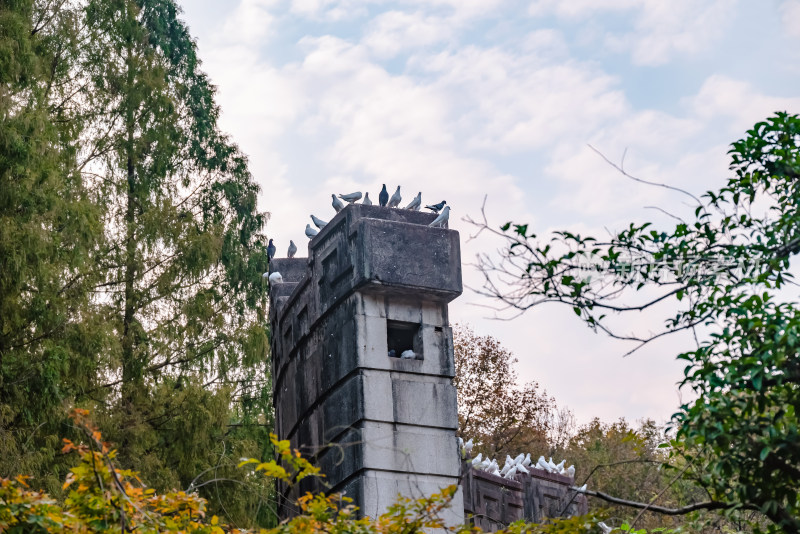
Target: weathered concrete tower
{"points": [[376, 283]]}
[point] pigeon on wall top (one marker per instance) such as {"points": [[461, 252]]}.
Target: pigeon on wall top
{"points": [[396, 198], [292, 249], [436, 207], [319, 223], [416, 203], [366, 201], [442, 219], [383, 198], [275, 278], [351, 197], [310, 232], [337, 204], [271, 249]]}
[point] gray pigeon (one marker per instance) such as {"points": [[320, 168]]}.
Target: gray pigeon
{"points": [[318, 222], [383, 198], [310, 232], [442, 219], [351, 197], [271, 249], [337, 204], [366, 201], [292, 249], [396, 198], [416, 203], [436, 207]]}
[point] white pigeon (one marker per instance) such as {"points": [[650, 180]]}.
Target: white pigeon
{"points": [[442, 218], [511, 472], [519, 458], [366, 201], [527, 461], [395, 199], [606, 529], [292, 249], [477, 459], [582, 489], [542, 463], [408, 355], [275, 278], [551, 466], [319, 223], [521, 469], [310, 232], [468, 446], [571, 471], [351, 197], [560, 466], [337, 204], [416, 203], [506, 469], [265, 275]]}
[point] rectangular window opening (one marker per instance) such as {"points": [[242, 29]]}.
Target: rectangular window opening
{"points": [[402, 337]]}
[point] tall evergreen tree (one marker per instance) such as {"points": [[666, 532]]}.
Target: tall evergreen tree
{"points": [[188, 388], [49, 225]]}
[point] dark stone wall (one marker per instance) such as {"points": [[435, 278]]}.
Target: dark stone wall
{"points": [[493, 502], [375, 425]]}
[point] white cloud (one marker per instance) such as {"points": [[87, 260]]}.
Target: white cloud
{"points": [[661, 29], [790, 16], [508, 115], [250, 23], [394, 31]]}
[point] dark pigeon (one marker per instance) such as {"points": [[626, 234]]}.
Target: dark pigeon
{"points": [[436, 207], [271, 250], [383, 198]]}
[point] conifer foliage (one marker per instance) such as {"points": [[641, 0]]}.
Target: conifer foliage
{"points": [[131, 248]]}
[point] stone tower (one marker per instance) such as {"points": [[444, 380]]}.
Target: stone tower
{"points": [[376, 280]]}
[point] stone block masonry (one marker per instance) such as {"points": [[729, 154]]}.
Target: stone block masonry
{"points": [[375, 280], [376, 283]]}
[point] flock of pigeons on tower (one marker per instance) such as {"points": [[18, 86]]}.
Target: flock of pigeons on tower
{"points": [[383, 200], [522, 464]]}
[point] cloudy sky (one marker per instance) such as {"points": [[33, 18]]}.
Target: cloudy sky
{"points": [[464, 98]]}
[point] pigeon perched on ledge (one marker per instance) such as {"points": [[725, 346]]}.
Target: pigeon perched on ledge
{"points": [[310, 232], [408, 355], [366, 201], [383, 198], [275, 278], [415, 203], [436, 208], [319, 223], [292, 249], [271, 250], [351, 197], [337, 204], [396, 198], [442, 219]]}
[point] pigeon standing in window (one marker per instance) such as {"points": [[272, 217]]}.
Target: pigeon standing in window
{"points": [[292, 249], [383, 198], [396, 198], [337, 204], [416, 203], [318, 222], [310, 232], [271, 250], [366, 201], [436, 208], [442, 219], [351, 197]]}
